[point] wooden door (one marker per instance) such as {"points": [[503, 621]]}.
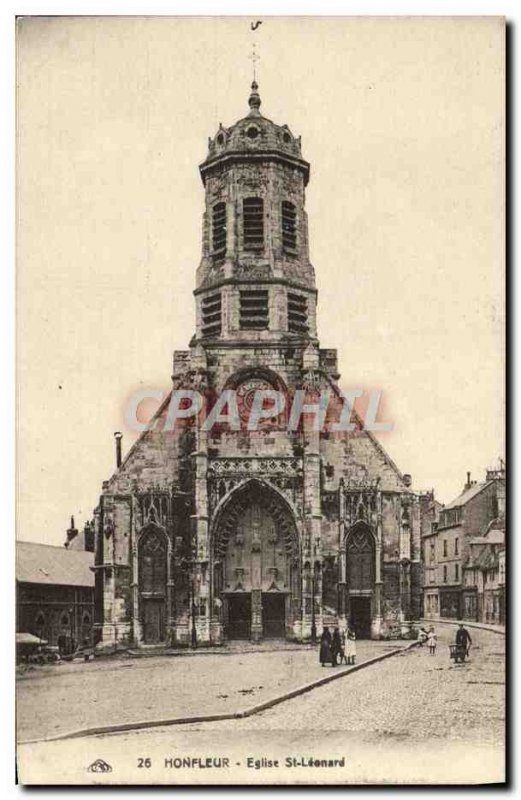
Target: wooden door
{"points": [[153, 621], [273, 616]]}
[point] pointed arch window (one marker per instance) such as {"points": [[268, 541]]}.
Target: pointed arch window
{"points": [[360, 560], [152, 563], [253, 223]]}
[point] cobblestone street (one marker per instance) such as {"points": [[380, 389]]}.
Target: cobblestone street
{"points": [[413, 695]]}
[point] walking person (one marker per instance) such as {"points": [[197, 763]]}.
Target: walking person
{"points": [[463, 638], [343, 642], [325, 646], [335, 647], [432, 641], [422, 636], [351, 646]]}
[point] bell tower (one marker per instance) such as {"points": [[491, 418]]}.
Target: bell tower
{"points": [[255, 282]]}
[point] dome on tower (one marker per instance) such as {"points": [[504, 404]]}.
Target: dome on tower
{"points": [[254, 136]]}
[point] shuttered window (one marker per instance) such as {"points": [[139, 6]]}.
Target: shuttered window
{"points": [[289, 227], [212, 315], [218, 233], [253, 223], [254, 309], [297, 313]]}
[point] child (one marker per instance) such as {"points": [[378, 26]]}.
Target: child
{"points": [[351, 646]]}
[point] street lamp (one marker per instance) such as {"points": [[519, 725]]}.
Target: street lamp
{"points": [[192, 584], [314, 577], [186, 563], [71, 646]]}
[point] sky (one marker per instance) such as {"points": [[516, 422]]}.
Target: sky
{"points": [[403, 123]]}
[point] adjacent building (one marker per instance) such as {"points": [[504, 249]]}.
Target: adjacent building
{"points": [[461, 554], [55, 594], [430, 514]]}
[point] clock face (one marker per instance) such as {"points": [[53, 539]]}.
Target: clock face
{"points": [[246, 395]]}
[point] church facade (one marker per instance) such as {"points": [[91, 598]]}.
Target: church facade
{"points": [[205, 535]]}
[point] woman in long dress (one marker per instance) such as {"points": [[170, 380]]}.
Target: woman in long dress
{"points": [[325, 647], [351, 646], [343, 638], [336, 647]]}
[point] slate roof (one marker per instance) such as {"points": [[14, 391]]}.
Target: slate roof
{"points": [[43, 563], [486, 559], [467, 495]]}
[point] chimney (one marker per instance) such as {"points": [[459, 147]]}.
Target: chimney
{"points": [[118, 437], [469, 482], [88, 537], [72, 532]]}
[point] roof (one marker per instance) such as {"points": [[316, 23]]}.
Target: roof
{"points": [[467, 495], [256, 137], [492, 536], [495, 536], [43, 563], [29, 638], [486, 559]]}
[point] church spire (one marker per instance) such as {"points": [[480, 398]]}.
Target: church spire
{"points": [[254, 100]]}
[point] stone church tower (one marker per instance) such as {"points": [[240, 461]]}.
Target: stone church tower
{"points": [[203, 536]]}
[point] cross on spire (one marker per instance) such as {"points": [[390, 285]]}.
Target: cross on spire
{"points": [[254, 58]]}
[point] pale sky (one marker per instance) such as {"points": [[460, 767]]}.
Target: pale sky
{"points": [[403, 123]]}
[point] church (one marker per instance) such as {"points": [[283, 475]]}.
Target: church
{"points": [[204, 536]]}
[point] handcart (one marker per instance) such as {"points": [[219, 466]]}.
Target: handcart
{"points": [[458, 652]]}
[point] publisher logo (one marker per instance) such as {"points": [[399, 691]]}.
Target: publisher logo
{"points": [[99, 766]]}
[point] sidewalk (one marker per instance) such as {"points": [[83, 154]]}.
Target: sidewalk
{"points": [[484, 626], [146, 689]]}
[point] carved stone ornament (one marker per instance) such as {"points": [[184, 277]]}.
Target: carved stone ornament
{"points": [[313, 380], [108, 527], [194, 379]]}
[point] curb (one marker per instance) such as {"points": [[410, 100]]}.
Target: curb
{"points": [[477, 625], [248, 712]]}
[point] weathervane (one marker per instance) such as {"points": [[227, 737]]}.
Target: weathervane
{"points": [[254, 55]]}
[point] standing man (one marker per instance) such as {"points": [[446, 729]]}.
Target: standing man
{"points": [[463, 638]]}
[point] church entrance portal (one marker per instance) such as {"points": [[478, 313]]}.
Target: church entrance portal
{"points": [[256, 563], [152, 565], [360, 557]]}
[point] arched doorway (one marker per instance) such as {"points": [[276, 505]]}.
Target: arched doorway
{"points": [[152, 561], [360, 569], [256, 563]]}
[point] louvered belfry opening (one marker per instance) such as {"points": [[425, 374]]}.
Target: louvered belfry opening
{"points": [[218, 233], [254, 310], [253, 223], [297, 313], [289, 227], [212, 315]]}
